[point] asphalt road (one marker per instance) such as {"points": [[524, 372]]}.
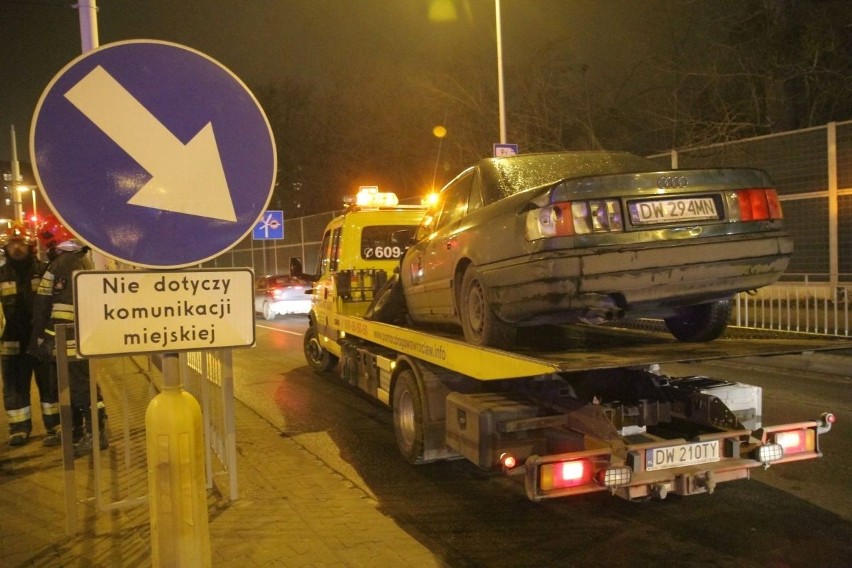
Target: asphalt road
{"points": [[790, 515]]}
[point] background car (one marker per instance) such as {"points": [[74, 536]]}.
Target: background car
{"points": [[281, 294], [542, 239]]}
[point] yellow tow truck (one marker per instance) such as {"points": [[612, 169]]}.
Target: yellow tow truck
{"points": [[568, 420]]}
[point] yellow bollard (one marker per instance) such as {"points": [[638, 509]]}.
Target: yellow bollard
{"points": [[176, 484]]}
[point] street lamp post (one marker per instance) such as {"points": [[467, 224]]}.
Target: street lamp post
{"points": [[501, 104], [20, 202], [19, 205]]}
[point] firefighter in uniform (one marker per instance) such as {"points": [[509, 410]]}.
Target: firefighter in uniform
{"points": [[19, 278], [54, 304]]}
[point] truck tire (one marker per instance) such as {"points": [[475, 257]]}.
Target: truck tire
{"points": [[480, 324], [408, 417], [319, 359], [704, 322]]}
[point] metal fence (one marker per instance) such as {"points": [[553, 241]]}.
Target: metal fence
{"points": [[302, 238], [208, 376], [812, 170], [807, 307], [119, 476]]}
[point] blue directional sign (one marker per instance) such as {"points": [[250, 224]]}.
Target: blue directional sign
{"points": [[270, 226], [153, 153]]}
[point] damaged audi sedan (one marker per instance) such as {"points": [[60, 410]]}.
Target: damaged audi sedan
{"points": [[558, 238]]}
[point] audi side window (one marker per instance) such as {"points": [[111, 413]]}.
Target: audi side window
{"points": [[475, 200], [455, 202]]}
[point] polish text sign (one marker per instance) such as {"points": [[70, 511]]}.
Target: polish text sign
{"points": [[120, 313]]}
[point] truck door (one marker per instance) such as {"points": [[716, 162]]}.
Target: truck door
{"points": [[325, 293]]}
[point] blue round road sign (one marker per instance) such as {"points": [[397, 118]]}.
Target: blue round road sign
{"points": [[153, 153]]}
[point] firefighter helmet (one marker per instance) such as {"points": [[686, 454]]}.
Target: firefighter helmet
{"points": [[53, 233], [18, 232]]}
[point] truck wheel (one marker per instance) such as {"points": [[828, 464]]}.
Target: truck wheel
{"points": [[268, 314], [704, 322], [408, 417], [319, 359], [480, 324]]}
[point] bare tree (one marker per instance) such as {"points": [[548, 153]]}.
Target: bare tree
{"points": [[739, 68]]}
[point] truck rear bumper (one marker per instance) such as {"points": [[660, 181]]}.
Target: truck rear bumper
{"points": [[625, 475]]}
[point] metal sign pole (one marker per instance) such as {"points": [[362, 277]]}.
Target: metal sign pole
{"points": [[71, 521]]}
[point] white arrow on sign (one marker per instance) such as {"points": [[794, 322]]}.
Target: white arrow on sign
{"points": [[184, 178]]}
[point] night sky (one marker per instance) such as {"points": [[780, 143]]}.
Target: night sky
{"points": [[264, 40]]}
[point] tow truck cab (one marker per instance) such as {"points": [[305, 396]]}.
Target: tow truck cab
{"points": [[359, 252]]}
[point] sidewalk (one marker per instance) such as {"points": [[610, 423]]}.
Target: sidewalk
{"points": [[292, 510]]}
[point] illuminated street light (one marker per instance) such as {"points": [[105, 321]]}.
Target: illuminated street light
{"points": [[439, 132], [20, 200]]}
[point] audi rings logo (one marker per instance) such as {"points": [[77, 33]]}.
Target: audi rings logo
{"points": [[668, 182]]}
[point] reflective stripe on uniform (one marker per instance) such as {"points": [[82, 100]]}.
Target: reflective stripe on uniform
{"points": [[64, 312], [34, 282], [49, 408], [45, 285], [10, 347], [8, 288], [19, 415]]}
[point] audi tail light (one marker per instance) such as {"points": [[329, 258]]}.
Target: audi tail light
{"points": [[757, 205], [571, 218]]}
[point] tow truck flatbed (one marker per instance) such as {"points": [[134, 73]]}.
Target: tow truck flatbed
{"points": [[592, 348]]}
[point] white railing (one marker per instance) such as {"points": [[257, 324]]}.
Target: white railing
{"points": [[801, 307], [208, 376]]}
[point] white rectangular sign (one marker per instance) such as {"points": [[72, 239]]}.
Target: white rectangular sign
{"points": [[139, 311]]}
